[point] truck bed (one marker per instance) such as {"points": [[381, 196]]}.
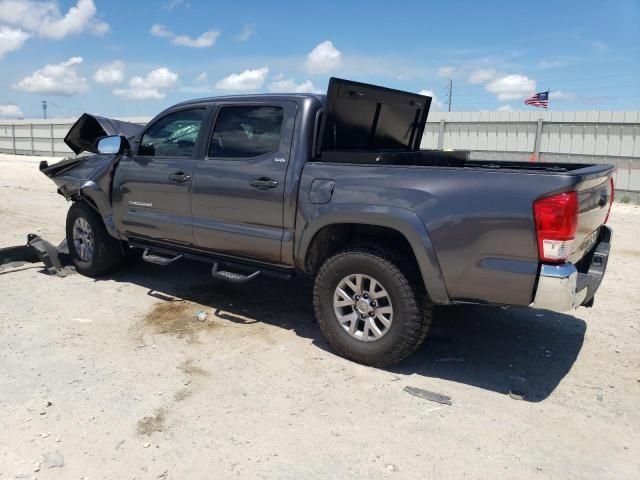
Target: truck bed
{"points": [[440, 158], [478, 214]]}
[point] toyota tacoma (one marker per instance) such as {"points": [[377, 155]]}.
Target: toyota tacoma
{"points": [[336, 187]]}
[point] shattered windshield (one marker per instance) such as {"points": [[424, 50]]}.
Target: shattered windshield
{"points": [[174, 135]]}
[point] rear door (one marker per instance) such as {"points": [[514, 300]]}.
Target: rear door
{"points": [[152, 188], [238, 188]]}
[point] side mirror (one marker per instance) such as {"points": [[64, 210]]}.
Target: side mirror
{"points": [[114, 144]]}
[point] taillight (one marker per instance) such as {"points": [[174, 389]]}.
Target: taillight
{"points": [[610, 200], [556, 220]]}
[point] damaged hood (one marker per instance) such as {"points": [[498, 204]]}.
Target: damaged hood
{"points": [[88, 128]]}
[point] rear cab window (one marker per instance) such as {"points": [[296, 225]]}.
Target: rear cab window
{"points": [[246, 131]]}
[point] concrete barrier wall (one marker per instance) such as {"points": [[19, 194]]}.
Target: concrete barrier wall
{"points": [[580, 137], [574, 137], [41, 137]]}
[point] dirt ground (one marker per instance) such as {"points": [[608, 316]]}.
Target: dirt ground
{"points": [[117, 379]]}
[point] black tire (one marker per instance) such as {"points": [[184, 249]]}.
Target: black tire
{"points": [[412, 311], [107, 252]]}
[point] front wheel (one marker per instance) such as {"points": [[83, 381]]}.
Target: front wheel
{"points": [[94, 252], [367, 308]]}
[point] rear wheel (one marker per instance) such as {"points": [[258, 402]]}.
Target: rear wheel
{"points": [[93, 251], [367, 308]]}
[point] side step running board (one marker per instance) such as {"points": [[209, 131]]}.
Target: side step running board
{"points": [[225, 270], [233, 277], [158, 259]]}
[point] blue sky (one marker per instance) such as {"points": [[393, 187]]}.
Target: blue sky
{"points": [[130, 58]]}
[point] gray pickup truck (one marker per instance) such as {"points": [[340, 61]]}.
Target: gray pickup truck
{"points": [[336, 187]]}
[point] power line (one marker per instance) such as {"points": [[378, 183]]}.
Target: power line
{"points": [[585, 79], [601, 88], [561, 81], [614, 97]]}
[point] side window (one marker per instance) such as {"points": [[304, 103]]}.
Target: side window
{"points": [[244, 132], [174, 135]]}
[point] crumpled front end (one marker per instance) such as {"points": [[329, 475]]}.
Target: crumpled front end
{"points": [[88, 128], [89, 178]]}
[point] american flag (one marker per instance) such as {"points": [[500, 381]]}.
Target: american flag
{"points": [[538, 100]]}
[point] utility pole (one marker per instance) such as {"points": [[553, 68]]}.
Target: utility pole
{"points": [[44, 109], [450, 93]]}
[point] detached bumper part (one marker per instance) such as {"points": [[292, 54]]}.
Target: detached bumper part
{"points": [[564, 287], [37, 250]]}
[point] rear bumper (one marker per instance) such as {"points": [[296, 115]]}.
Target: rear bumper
{"points": [[567, 286]]}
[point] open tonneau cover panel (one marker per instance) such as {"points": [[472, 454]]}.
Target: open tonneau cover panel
{"points": [[88, 128], [359, 116]]}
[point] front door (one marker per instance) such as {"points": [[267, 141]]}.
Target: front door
{"points": [[238, 188], [152, 187]]}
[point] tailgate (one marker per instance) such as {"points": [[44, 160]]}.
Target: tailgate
{"points": [[594, 201]]}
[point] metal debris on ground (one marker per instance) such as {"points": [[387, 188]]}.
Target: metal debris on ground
{"points": [[37, 249], [516, 394], [427, 395]]}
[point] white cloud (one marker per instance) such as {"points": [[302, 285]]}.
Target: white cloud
{"points": [[245, 81], [57, 79], [552, 63], [289, 85], [481, 75], [505, 108], [446, 71], [201, 78], [111, 73], [200, 85], [436, 104], [154, 86], [205, 40], [100, 28], [173, 4], [11, 39], [10, 111], [324, 58], [511, 87], [161, 31], [45, 19], [247, 32]]}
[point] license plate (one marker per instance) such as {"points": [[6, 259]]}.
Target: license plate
{"points": [[588, 242]]}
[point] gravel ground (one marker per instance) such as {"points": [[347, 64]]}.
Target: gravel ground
{"points": [[116, 378]]}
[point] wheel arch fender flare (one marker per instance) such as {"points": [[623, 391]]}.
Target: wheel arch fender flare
{"points": [[399, 219], [91, 193]]}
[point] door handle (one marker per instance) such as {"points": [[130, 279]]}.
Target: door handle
{"points": [[264, 183], [179, 177]]}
